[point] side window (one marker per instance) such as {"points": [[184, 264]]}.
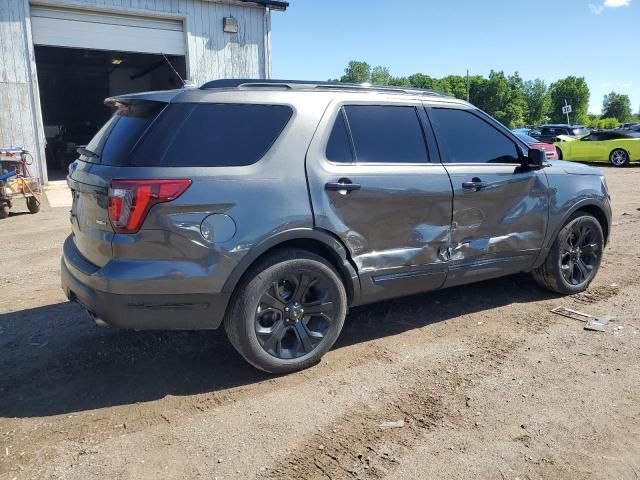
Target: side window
{"points": [[339, 145], [469, 139], [386, 134], [547, 131]]}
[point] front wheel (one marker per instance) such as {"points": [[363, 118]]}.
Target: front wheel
{"points": [[288, 313], [574, 258], [619, 158], [559, 153], [33, 205], [4, 210]]}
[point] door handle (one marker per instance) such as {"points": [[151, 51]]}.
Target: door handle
{"points": [[344, 184], [475, 185]]}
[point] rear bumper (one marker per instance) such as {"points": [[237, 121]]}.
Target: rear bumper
{"points": [[200, 311]]}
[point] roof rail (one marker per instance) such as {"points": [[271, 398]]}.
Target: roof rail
{"points": [[308, 85]]}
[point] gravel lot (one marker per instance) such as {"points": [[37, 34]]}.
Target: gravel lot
{"points": [[484, 381]]}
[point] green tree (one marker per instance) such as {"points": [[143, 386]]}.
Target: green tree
{"points": [[453, 85], [380, 75], [400, 82], [538, 101], [420, 80], [477, 87], [576, 92], [356, 72], [617, 105]]}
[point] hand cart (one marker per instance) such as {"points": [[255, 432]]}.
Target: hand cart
{"points": [[16, 180]]}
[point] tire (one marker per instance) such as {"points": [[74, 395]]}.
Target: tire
{"points": [[619, 158], [33, 205], [269, 322], [574, 258], [4, 211], [559, 153]]}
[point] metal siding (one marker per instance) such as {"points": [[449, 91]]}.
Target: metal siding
{"points": [[17, 119], [211, 53]]}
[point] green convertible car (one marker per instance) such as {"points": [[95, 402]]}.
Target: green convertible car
{"points": [[617, 148]]}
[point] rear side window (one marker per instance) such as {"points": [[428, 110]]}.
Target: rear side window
{"points": [[211, 135], [469, 139], [115, 140], [339, 145], [386, 134]]}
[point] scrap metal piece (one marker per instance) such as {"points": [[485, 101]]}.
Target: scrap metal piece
{"points": [[596, 324], [574, 314]]}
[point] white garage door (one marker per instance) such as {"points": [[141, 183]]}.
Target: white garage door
{"points": [[63, 27]]}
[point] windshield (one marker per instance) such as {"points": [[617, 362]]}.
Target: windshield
{"points": [[577, 131]]}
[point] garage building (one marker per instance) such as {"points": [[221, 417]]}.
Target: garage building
{"points": [[59, 59]]}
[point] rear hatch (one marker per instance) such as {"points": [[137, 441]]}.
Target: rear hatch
{"points": [[98, 164]]}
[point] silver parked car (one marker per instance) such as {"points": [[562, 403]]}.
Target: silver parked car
{"points": [[273, 206]]}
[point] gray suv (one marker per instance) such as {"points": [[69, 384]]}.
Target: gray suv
{"points": [[273, 206]]}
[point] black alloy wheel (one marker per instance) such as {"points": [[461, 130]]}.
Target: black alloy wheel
{"points": [[294, 315], [580, 254], [288, 312]]}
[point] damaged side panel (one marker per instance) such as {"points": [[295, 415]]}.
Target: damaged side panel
{"points": [[396, 226], [500, 228]]}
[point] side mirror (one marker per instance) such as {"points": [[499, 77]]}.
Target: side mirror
{"points": [[535, 160]]}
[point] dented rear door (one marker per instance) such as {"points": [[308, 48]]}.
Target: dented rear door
{"points": [[376, 182]]}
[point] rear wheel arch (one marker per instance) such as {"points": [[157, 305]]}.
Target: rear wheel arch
{"points": [[315, 241]]}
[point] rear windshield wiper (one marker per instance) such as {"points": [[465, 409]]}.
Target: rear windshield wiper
{"points": [[86, 152]]}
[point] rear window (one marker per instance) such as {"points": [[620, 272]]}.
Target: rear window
{"points": [[115, 140], [205, 135]]}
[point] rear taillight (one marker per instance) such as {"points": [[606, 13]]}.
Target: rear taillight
{"points": [[131, 200]]}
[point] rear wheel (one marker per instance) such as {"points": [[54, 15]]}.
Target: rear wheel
{"points": [[288, 313], [619, 158], [33, 204], [574, 258]]}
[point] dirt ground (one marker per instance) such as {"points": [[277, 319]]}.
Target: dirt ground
{"points": [[485, 381]]}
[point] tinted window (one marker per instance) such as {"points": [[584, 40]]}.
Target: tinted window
{"points": [[579, 131], [339, 146], [469, 139], [115, 140], [210, 134], [386, 134], [526, 138]]}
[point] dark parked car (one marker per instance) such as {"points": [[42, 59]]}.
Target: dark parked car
{"points": [[550, 133], [272, 207]]}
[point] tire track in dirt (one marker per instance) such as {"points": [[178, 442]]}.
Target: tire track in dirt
{"points": [[358, 445]]}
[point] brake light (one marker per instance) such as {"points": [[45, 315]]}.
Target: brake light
{"points": [[131, 200]]}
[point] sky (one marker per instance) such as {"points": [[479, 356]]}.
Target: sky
{"points": [[547, 39]]}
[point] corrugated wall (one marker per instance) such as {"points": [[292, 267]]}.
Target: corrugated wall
{"points": [[211, 53], [18, 124]]}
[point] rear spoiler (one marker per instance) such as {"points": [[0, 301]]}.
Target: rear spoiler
{"points": [[163, 96]]}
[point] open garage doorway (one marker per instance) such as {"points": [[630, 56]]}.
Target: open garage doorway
{"points": [[74, 83]]}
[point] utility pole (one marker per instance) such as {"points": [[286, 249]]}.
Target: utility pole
{"points": [[467, 84], [567, 109]]}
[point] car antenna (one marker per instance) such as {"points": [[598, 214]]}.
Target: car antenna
{"points": [[185, 83]]}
